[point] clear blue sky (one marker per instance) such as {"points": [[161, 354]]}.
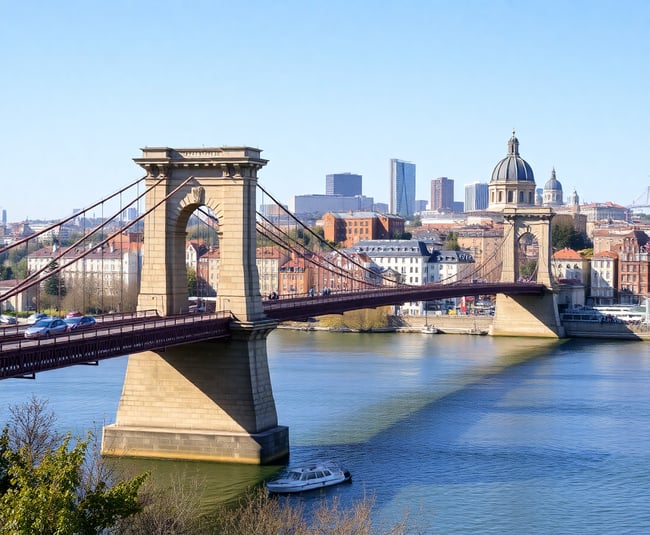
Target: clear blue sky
{"points": [[323, 87]]}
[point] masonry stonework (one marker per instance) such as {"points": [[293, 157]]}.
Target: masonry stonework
{"points": [[527, 315], [209, 401]]}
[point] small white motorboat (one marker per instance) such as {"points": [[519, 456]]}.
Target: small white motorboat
{"points": [[310, 477]]}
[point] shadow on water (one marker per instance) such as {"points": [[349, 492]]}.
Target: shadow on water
{"points": [[216, 482], [423, 438], [467, 425], [418, 429], [416, 436]]}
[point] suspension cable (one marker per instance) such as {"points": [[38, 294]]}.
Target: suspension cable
{"points": [[23, 284]]}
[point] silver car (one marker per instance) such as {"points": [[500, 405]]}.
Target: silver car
{"points": [[45, 328]]}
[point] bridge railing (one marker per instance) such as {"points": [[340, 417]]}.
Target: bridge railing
{"points": [[337, 302], [24, 357]]}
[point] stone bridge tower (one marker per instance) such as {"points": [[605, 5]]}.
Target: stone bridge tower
{"points": [[526, 235], [208, 401]]}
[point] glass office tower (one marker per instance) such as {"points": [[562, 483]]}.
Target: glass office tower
{"points": [[343, 184], [476, 197], [402, 188]]}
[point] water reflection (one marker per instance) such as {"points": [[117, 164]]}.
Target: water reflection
{"points": [[489, 435]]}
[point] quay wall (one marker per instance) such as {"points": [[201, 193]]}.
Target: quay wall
{"points": [[481, 325]]}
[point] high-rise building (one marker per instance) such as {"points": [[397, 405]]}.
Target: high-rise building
{"points": [[343, 184], [402, 188], [420, 205], [476, 197], [442, 194]]}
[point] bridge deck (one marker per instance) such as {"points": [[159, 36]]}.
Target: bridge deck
{"points": [[125, 334], [23, 358]]}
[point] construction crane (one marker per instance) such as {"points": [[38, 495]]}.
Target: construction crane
{"points": [[642, 201]]}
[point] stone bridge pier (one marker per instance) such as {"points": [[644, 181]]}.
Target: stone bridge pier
{"points": [[523, 315], [211, 400]]}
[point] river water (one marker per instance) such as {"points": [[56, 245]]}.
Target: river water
{"points": [[471, 434]]}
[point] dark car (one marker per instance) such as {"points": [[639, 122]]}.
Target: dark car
{"points": [[37, 316], [79, 322], [45, 328], [9, 320]]}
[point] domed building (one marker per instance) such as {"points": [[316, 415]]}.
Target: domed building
{"points": [[552, 195], [512, 184]]}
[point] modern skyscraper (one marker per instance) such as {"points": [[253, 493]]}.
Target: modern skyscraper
{"points": [[476, 197], [442, 194], [402, 188], [343, 184]]}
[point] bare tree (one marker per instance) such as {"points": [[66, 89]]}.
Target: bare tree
{"points": [[32, 425], [169, 510]]}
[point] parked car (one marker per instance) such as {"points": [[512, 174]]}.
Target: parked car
{"points": [[36, 317], [73, 314], [8, 320], [46, 327], [79, 322]]}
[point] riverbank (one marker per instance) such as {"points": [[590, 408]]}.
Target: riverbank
{"points": [[480, 325], [477, 325]]}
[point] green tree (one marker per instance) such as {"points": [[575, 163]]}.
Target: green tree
{"points": [[565, 235], [54, 284], [6, 272], [48, 486], [451, 242], [318, 230], [527, 269], [21, 268], [48, 497], [401, 236], [191, 281]]}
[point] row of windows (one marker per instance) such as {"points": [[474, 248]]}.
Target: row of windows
{"points": [[628, 278], [633, 268], [511, 197], [596, 275], [396, 260]]}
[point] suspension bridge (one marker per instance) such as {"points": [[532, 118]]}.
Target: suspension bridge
{"points": [[197, 384]]}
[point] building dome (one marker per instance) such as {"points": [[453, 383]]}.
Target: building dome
{"points": [[513, 168], [553, 183], [553, 195], [512, 184]]}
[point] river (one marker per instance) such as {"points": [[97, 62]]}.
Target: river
{"points": [[471, 434]]}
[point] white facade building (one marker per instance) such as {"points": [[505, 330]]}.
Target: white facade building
{"points": [[604, 278], [417, 263], [105, 271]]}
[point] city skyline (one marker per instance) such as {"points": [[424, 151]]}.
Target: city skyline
{"points": [[326, 87]]}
